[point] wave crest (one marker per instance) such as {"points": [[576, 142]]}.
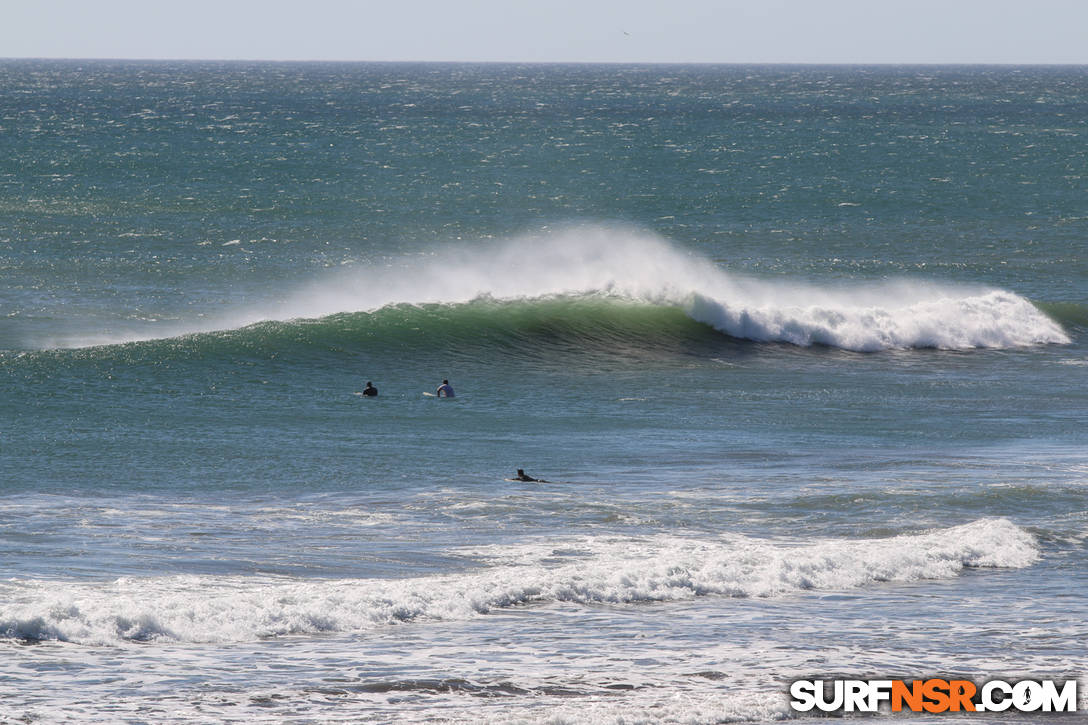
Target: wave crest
{"points": [[592, 570], [994, 319], [636, 267]]}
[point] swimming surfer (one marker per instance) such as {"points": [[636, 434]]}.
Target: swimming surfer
{"points": [[523, 476], [444, 390], [370, 391]]}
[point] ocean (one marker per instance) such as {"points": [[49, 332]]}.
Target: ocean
{"points": [[800, 354]]}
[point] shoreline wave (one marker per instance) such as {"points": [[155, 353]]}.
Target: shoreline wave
{"points": [[591, 571]]}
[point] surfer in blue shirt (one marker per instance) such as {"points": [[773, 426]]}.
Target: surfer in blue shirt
{"points": [[370, 391], [444, 390]]}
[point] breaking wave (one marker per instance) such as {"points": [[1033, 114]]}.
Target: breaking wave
{"points": [[601, 278], [591, 570]]}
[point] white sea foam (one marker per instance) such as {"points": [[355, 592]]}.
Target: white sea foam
{"points": [[617, 570], [640, 266]]}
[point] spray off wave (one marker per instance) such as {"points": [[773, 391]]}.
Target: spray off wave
{"points": [[638, 267], [591, 570]]}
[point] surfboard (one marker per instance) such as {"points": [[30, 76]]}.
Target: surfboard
{"points": [[429, 395]]}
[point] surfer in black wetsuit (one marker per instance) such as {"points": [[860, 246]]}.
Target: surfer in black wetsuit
{"points": [[523, 476], [370, 391]]}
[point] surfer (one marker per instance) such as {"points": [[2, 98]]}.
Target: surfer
{"points": [[523, 476], [370, 391], [444, 390]]}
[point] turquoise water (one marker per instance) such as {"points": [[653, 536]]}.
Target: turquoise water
{"points": [[800, 352]]}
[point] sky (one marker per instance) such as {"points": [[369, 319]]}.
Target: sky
{"points": [[611, 31]]}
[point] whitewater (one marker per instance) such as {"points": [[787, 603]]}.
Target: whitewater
{"points": [[799, 354], [598, 570], [634, 266]]}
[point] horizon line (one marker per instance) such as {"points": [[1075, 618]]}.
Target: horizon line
{"points": [[181, 59]]}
